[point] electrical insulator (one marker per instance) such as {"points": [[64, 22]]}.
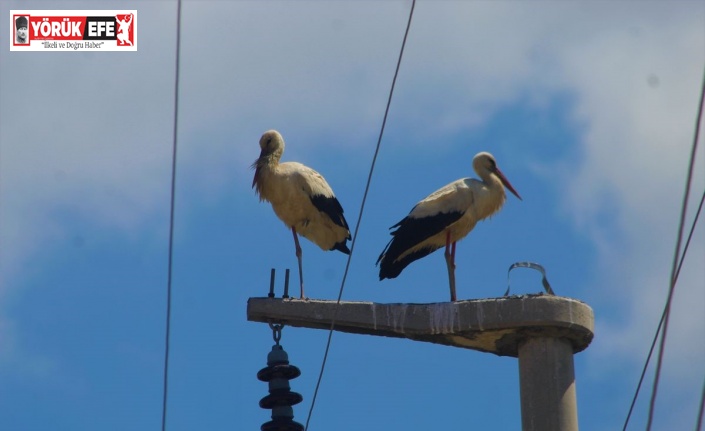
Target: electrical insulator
{"points": [[277, 373]]}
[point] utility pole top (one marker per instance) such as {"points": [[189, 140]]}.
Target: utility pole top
{"points": [[496, 325]]}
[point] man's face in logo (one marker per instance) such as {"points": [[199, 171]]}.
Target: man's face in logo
{"points": [[22, 33]]}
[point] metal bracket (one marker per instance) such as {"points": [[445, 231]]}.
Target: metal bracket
{"points": [[530, 265]]}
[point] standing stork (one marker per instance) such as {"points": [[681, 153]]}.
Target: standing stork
{"points": [[445, 217], [301, 198]]}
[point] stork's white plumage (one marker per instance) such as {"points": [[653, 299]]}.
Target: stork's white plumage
{"points": [[301, 198], [445, 217]]}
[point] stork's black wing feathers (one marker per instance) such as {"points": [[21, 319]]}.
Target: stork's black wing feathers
{"points": [[330, 206], [410, 232]]}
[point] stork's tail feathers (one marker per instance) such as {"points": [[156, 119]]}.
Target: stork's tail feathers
{"points": [[341, 247], [390, 266]]}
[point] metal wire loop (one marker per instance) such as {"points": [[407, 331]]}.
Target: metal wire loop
{"points": [[531, 265]]}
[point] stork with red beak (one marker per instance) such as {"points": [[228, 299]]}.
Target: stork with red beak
{"points": [[445, 217], [301, 198]]}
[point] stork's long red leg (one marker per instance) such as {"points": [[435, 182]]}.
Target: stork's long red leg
{"points": [[299, 253], [450, 263]]}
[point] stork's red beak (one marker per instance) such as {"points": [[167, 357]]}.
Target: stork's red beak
{"points": [[506, 183]]}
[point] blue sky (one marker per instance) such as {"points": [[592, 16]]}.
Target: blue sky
{"points": [[588, 107]]}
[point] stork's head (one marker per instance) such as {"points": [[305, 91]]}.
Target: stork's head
{"points": [[485, 166], [272, 147], [271, 142]]}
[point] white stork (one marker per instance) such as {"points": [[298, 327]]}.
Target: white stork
{"points": [[445, 217], [301, 198]]}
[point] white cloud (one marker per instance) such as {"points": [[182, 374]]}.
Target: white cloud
{"points": [[637, 89], [85, 135]]}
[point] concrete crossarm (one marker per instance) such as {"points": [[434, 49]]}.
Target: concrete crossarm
{"points": [[495, 325]]}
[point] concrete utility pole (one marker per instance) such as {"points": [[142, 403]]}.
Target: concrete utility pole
{"points": [[543, 331]]}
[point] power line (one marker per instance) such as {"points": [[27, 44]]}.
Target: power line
{"points": [[672, 286], [362, 208], [701, 410], [171, 214], [663, 315]]}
